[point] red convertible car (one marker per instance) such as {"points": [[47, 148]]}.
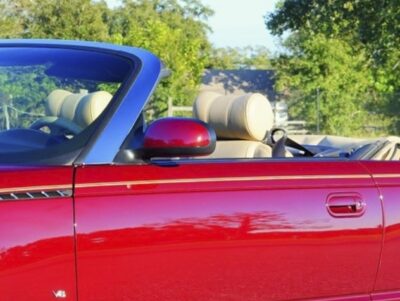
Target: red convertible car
{"points": [[97, 203]]}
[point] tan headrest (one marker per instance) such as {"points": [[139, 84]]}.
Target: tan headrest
{"points": [[249, 116], [55, 101], [81, 108], [70, 105], [91, 106]]}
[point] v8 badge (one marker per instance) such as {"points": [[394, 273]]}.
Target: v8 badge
{"points": [[60, 294]]}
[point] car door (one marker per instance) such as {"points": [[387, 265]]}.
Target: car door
{"points": [[36, 234], [387, 176], [220, 230]]}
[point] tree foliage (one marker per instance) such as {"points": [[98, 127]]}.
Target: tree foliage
{"points": [[240, 58], [10, 23], [174, 30], [358, 40], [65, 19], [334, 83]]}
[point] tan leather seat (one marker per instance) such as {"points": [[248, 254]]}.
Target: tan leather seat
{"points": [[79, 108], [244, 120]]}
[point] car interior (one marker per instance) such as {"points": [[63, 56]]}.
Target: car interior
{"points": [[244, 128], [240, 122], [243, 125], [70, 113], [67, 114]]}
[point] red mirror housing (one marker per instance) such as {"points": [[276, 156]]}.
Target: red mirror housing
{"points": [[178, 137]]}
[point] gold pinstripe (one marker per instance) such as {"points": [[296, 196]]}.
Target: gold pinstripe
{"points": [[219, 179], [192, 180], [387, 176]]}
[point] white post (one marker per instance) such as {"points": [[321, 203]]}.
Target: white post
{"points": [[4, 106], [170, 107]]}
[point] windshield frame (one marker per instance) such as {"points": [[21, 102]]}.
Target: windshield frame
{"points": [[102, 140]]}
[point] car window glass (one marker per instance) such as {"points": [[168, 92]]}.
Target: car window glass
{"points": [[49, 96]]}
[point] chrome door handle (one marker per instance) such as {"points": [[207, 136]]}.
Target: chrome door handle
{"points": [[345, 205]]}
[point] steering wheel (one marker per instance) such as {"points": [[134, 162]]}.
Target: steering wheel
{"points": [[280, 143], [275, 135], [57, 125], [277, 138]]}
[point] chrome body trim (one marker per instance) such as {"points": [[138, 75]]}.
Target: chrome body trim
{"points": [[32, 195]]}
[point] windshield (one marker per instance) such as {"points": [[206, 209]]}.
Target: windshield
{"points": [[51, 97]]}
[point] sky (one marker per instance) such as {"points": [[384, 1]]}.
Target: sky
{"points": [[238, 23]]}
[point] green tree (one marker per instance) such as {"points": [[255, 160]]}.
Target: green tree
{"points": [[175, 31], [374, 24], [10, 22], [240, 58], [65, 19], [365, 30], [333, 82], [225, 58]]}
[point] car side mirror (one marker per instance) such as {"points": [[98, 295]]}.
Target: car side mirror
{"points": [[177, 137], [173, 137]]}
